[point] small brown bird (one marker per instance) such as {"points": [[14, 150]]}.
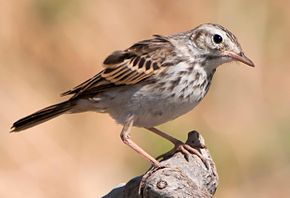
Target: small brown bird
{"points": [[150, 83]]}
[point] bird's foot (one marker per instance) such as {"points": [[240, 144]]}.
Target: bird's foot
{"points": [[186, 150]]}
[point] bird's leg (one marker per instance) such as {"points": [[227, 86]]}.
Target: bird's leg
{"points": [[184, 148], [125, 136]]}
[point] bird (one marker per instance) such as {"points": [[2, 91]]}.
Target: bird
{"points": [[150, 83]]}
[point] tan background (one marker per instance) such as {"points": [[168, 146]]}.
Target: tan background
{"points": [[49, 46]]}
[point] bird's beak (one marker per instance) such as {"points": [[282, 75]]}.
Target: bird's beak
{"points": [[239, 57]]}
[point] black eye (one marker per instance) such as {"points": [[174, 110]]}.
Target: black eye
{"points": [[217, 39]]}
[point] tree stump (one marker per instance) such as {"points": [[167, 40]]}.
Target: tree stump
{"points": [[177, 176]]}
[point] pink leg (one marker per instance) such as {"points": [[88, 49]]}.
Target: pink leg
{"points": [[125, 136], [185, 149]]}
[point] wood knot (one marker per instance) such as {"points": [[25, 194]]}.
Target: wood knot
{"points": [[161, 184]]}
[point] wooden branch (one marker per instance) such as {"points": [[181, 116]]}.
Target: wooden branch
{"points": [[177, 177]]}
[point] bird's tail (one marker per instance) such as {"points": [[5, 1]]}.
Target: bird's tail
{"points": [[41, 116]]}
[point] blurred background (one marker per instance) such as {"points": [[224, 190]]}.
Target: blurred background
{"points": [[49, 46]]}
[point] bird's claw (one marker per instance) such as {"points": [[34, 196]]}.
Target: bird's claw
{"points": [[187, 151]]}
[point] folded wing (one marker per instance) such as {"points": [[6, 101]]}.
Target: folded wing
{"points": [[133, 65]]}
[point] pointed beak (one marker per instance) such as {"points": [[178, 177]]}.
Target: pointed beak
{"points": [[240, 57]]}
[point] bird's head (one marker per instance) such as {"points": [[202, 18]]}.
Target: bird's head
{"points": [[216, 45]]}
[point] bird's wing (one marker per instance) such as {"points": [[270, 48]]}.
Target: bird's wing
{"points": [[131, 66]]}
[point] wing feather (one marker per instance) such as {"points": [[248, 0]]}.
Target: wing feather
{"points": [[133, 65]]}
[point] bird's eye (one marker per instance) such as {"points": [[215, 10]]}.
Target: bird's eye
{"points": [[217, 39]]}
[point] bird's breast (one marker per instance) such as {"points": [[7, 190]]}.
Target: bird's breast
{"points": [[160, 99], [177, 93]]}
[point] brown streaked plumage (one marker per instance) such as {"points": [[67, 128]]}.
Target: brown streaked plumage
{"points": [[150, 83], [130, 66]]}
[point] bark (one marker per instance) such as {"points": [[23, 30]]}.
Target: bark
{"points": [[177, 176]]}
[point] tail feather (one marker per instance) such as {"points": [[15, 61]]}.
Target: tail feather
{"points": [[41, 116]]}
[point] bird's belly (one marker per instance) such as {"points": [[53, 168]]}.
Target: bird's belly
{"points": [[148, 108], [153, 104], [153, 113]]}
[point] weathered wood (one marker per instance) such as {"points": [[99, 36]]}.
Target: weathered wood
{"points": [[177, 177]]}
